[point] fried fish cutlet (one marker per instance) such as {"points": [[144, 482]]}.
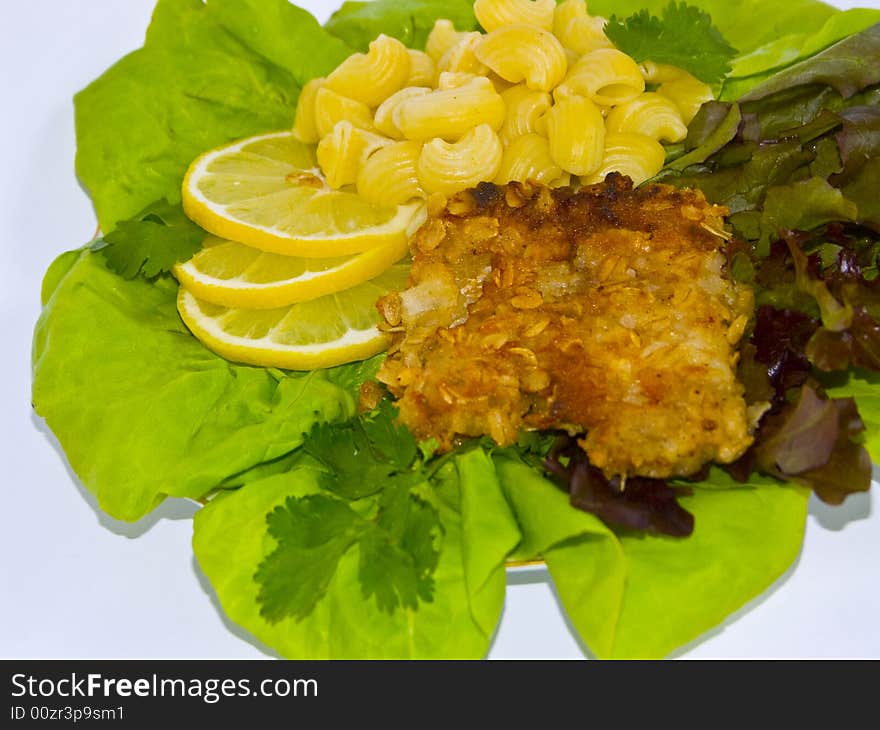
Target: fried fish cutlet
{"points": [[606, 311]]}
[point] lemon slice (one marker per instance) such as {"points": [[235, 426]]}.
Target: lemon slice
{"points": [[268, 192], [323, 332], [234, 275]]}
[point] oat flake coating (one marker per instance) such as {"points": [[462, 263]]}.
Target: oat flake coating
{"points": [[606, 311]]}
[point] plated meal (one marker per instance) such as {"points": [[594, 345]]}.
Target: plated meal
{"points": [[439, 288]]}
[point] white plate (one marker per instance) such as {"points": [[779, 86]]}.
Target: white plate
{"points": [[77, 584]]}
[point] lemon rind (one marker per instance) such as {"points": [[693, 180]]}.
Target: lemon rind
{"points": [[354, 345], [237, 292], [204, 212]]}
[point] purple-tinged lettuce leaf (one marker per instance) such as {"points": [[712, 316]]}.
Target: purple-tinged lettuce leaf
{"points": [[814, 442], [638, 503], [779, 339], [864, 387], [804, 205]]}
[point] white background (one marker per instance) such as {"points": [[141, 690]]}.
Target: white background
{"points": [[75, 583]]}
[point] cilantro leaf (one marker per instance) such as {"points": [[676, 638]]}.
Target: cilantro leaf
{"points": [[351, 471], [398, 558], [361, 455], [390, 440], [313, 534], [683, 37], [152, 242], [375, 462]]}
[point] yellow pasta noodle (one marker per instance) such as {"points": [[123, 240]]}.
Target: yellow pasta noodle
{"points": [[577, 30], [576, 131], [373, 76], [385, 119], [650, 114], [422, 70], [687, 92], [528, 158], [449, 167], [331, 108], [462, 57], [304, 127], [525, 110], [659, 73], [493, 14], [389, 176], [451, 113], [342, 152], [607, 76], [635, 155], [524, 53], [441, 39], [453, 79]]}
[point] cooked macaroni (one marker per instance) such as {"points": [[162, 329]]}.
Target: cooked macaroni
{"points": [[449, 167], [541, 95]]}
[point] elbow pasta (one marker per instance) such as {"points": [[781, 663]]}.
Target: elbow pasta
{"points": [[389, 175], [422, 70], [451, 113], [331, 108], [373, 76], [576, 131], [607, 76], [650, 114], [385, 120], [441, 39], [528, 158], [525, 111], [541, 96], [493, 14], [635, 155], [304, 127], [524, 53], [342, 152], [462, 58], [453, 79], [450, 167], [578, 31]]}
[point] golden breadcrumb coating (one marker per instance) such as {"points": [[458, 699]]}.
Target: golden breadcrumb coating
{"points": [[606, 311]]}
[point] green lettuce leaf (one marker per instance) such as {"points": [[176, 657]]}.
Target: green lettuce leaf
{"points": [[643, 596], [410, 21], [208, 73], [794, 47], [469, 586], [141, 408], [736, 21], [787, 32], [865, 388]]}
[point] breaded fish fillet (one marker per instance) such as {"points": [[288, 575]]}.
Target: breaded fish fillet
{"points": [[606, 311]]}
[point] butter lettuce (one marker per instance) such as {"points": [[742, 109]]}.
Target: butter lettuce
{"points": [[231, 540], [642, 596], [207, 74], [141, 408]]}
